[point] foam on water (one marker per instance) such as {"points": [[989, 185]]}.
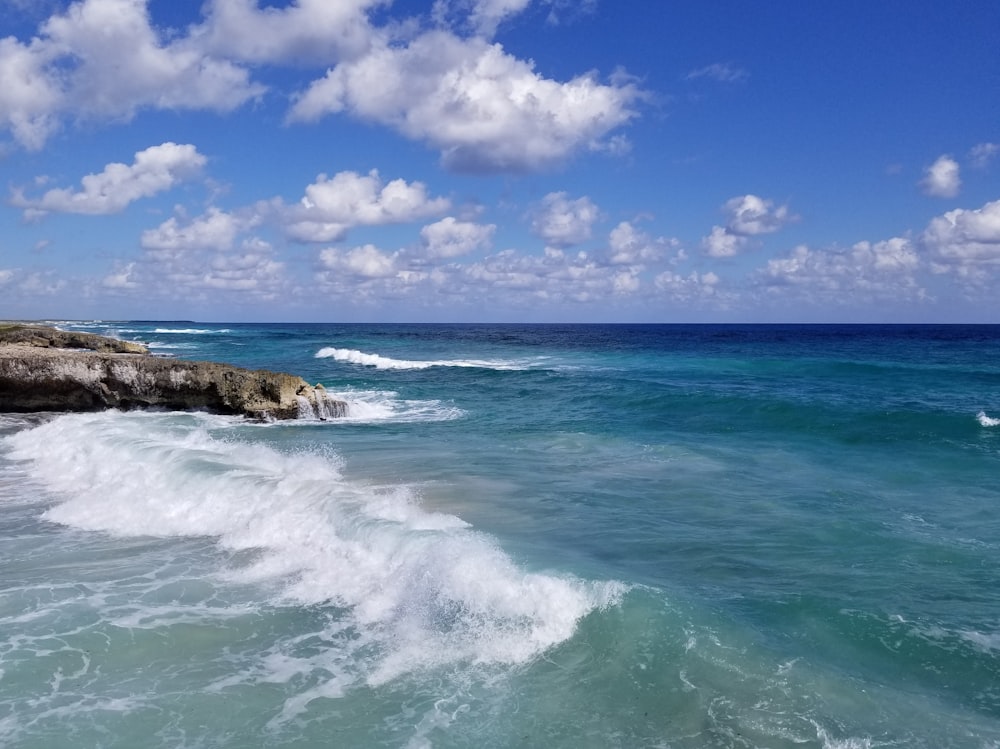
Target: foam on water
{"points": [[192, 331], [987, 421], [414, 590], [366, 406], [352, 356]]}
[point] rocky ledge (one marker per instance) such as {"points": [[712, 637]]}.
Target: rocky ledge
{"points": [[44, 369]]}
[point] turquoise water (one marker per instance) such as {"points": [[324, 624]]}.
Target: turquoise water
{"points": [[521, 536]]}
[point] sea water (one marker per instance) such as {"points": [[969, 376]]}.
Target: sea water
{"points": [[520, 536]]}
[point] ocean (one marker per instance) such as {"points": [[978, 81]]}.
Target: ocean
{"points": [[521, 536]]}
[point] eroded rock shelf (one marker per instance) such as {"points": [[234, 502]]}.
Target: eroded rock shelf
{"points": [[44, 369]]}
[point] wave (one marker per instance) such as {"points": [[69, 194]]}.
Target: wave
{"points": [[406, 589], [367, 406], [987, 421], [192, 331], [352, 356]]}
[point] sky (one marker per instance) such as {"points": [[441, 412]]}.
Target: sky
{"points": [[500, 160]]}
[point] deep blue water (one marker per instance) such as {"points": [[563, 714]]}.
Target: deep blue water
{"points": [[537, 536]]}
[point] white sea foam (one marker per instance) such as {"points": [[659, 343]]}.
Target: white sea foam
{"points": [[352, 356], [410, 589], [365, 406], [987, 421], [192, 331]]}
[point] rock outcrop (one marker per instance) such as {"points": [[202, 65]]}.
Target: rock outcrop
{"points": [[43, 369]]}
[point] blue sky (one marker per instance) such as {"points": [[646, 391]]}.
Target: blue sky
{"points": [[500, 160]]}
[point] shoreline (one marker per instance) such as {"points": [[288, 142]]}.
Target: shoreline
{"points": [[46, 369]]}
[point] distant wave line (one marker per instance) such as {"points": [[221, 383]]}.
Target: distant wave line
{"points": [[353, 356], [987, 421], [191, 331]]}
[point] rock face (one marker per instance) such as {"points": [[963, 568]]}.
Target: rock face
{"points": [[42, 369]]}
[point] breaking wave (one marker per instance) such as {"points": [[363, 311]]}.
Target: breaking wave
{"points": [[412, 589], [352, 356]]}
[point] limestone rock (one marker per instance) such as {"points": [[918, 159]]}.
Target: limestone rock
{"points": [[38, 372]]}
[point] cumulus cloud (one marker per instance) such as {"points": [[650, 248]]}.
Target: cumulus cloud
{"points": [[486, 110], [102, 59], [363, 262], [481, 16], [748, 216], [554, 276], [6, 276], [154, 170], [722, 243], [966, 242], [692, 288], [722, 72], [305, 30], [982, 154], [563, 222], [252, 270], [566, 11], [121, 278], [191, 271], [867, 272], [627, 245], [331, 206], [215, 230], [942, 178], [29, 97], [449, 238]]}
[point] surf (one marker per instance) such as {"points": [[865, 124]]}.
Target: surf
{"points": [[418, 590], [360, 358]]}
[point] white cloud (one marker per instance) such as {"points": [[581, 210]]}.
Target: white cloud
{"points": [[29, 97], [331, 206], [42, 283], [748, 216], [723, 72], [627, 245], [154, 170], [982, 154], [563, 11], [692, 288], [483, 108], [252, 271], [484, 16], [966, 242], [867, 272], [215, 230], [121, 278], [553, 276], [364, 262], [102, 59], [562, 222], [305, 30], [449, 238], [192, 272], [6, 276], [942, 178], [722, 243]]}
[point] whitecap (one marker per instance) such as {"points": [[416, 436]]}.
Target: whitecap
{"points": [[192, 331], [353, 356], [987, 421], [409, 589]]}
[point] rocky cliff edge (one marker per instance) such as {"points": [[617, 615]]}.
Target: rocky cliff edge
{"points": [[44, 369]]}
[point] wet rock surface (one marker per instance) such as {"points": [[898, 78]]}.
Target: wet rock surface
{"points": [[44, 369]]}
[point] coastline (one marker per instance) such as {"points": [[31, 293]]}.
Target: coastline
{"points": [[46, 369]]}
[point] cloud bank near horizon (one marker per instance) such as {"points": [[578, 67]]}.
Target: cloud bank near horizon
{"points": [[491, 226]]}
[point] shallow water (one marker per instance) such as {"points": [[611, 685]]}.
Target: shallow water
{"points": [[580, 536]]}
